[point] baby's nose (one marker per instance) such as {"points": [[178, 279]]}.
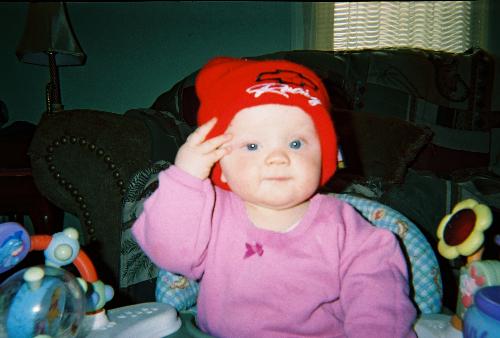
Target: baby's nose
{"points": [[278, 156]]}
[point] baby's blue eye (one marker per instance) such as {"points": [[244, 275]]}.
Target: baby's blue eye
{"points": [[252, 146], [295, 144]]}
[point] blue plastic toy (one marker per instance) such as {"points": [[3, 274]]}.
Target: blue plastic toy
{"points": [[46, 300]]}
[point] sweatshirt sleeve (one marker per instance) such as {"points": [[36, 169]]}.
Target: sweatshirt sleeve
{"points": [[174, 227], [375, 287]]}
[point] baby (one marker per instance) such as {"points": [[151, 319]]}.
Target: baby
{"points": [[239, 210]]}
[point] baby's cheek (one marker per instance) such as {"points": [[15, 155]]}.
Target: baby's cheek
{"points": [[234, 171]]}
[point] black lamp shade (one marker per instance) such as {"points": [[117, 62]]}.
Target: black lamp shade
{"points": [[48, 31]]}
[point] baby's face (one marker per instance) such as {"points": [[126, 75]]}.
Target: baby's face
{"points": [[275, 158]]}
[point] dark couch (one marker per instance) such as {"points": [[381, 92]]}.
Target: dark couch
{"points": [[83, 160]]}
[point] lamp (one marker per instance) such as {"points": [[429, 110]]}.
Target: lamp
{"points": [[48, 40]]}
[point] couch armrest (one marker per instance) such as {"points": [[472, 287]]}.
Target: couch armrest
{"points": [[82, 161]]}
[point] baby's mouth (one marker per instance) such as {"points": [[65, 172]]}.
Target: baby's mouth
{"points": [[277, 178]]}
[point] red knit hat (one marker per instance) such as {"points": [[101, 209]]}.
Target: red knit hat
{"points": [[227, 85]]}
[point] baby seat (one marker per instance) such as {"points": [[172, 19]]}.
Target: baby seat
{"points": [[425, 276]]}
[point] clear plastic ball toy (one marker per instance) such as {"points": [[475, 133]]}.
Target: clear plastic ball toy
{"points": [[41, 301]]}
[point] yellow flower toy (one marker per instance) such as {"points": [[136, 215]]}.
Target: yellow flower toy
{"points": [[462, 231]]}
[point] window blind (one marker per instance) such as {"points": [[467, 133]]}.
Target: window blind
{"points": [[436, 25]]}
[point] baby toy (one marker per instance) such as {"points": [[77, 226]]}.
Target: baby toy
{"points": [[40, 300], [482, 319], [47, 301], [462, 233]]}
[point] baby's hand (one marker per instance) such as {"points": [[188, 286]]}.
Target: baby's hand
{"points": [[197, 155]]}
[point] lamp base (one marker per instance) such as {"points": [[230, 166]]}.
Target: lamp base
{"points": [[55, 107], [50, 103]]}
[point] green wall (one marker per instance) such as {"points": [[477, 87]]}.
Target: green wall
{"points": [[137, 50]]}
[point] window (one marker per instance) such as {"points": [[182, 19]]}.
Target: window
{"points": [[438, 25]]}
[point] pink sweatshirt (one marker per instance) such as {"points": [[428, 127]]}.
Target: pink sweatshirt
{"points": [[333, 275]]}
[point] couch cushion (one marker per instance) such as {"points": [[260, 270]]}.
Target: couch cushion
{"points": [[376, 148]]}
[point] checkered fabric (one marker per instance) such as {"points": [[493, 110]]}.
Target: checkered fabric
{"points": [[176, 290], [425, 274]]}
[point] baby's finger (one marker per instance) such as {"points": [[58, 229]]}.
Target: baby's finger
{"points": [[220, 153], [214, 143], [199, 135]]}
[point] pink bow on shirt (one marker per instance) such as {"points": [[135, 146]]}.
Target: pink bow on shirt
{"points": [[253, 249]]}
